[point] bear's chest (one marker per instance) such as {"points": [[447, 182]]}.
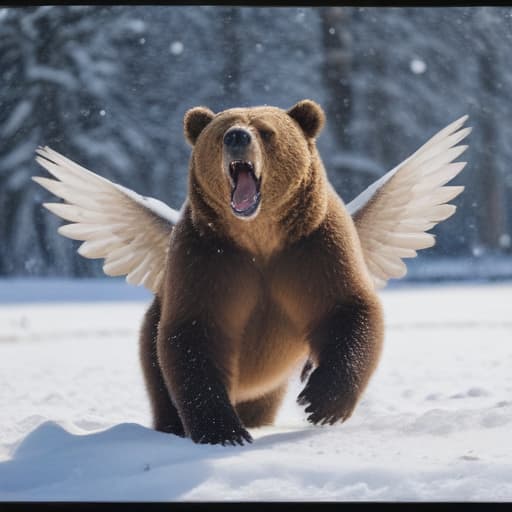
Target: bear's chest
{"points": [[273, 339], [272, 303]]}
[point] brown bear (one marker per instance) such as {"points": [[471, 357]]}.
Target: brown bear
{"points": [[264, 268]]}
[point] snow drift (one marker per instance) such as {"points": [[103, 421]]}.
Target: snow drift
{"points": [[433, 425]]}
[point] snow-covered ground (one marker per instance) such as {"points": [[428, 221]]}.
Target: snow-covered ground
{"points": [[434, 424]]}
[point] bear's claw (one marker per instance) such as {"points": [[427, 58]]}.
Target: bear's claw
{"points": [[234, 436], [325, 408]]}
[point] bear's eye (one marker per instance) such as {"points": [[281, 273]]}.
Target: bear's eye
{"points": [[266, 135]]}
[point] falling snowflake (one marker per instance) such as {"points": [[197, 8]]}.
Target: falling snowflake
{"points": [[418, 66], [477, 251], [176, 48], [505, 240]]}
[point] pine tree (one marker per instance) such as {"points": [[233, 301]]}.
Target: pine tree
{"points": [[62, 74]]}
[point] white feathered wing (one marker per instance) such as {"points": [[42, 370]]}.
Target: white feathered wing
{"points": [[131, 232], [393, 214]]}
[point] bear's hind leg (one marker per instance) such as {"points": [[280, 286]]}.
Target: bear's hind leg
{"points": [[263, 410], [165, 414]]}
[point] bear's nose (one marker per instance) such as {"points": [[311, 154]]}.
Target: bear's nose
{"points": [[237, 138]]}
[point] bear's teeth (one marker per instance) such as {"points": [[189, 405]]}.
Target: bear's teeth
{"points": [[236, 166]]}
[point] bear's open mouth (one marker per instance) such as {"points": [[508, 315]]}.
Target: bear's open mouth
{"points": [[245, 194]]}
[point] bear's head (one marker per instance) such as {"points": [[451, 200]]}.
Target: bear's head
{"points": [[247, 161]]}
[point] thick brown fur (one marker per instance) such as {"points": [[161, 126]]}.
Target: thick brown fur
{"points": [[245, 301]]}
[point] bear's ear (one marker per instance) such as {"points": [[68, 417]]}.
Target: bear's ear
{"points": [[310, 117], [195, 121]]}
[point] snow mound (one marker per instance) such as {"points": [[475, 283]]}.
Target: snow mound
{"points": [[125, 462]]}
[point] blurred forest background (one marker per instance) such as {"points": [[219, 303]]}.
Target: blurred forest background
{"points": [[108, 87]]}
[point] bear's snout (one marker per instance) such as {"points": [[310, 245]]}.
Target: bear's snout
{"points": [[237, 139]]}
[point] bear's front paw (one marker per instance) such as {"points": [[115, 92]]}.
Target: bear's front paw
{"points": [[329, 397], [222, 433]]}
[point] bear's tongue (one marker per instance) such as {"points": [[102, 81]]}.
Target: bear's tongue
{"points": [[245, 192]]}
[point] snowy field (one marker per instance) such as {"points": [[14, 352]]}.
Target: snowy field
{"points": [[434, 424]]}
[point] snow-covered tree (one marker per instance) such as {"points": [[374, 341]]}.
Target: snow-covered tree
{"points": [[108, 86], [60, 69]]}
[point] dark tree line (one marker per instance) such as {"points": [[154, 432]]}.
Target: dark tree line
{"points": [[108, 87]]}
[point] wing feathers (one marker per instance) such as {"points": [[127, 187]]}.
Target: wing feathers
{"points": [[393, 214], [140, 271], [99, 248], [445, 132], [80, 231], [129, 231]]}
